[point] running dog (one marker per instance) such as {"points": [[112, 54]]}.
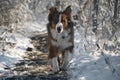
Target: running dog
{"points": [[60, 38]]}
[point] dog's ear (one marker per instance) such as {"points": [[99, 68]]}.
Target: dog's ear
{"points": [[52, 10], [68, 12]]}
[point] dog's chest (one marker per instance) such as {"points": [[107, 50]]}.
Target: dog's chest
{"points": [[62, 39]]}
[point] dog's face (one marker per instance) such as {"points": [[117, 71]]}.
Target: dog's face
{"points": [[59, 20], [59, 23]]}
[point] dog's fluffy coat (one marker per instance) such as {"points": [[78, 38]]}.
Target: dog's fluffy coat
{"points": [[60, 37]]}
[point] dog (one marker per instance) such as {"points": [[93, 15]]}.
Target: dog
{"points": [[60, 38]]}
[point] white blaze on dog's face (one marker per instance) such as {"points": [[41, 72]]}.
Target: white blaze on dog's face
{"points": [[59, 25]]}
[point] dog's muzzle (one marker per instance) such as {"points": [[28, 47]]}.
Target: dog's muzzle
{"points": [[59, 27]]}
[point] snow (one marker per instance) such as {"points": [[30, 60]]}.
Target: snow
{"points": [[20, 41], [87, 63], [91, 64], [94, 68]]}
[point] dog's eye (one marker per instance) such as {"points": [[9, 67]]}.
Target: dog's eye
{"points": [[55, 20], [63, 20]]}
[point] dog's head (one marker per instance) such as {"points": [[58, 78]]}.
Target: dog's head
{"points": [[59, 20]]}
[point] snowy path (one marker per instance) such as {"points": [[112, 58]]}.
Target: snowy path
{"points": [[84, 66], [35, 64]]}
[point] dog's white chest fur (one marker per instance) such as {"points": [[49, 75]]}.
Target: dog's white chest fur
{"points": [[61, 42]]}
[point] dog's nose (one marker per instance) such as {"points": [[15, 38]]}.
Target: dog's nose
{"points": [[59, 29]]}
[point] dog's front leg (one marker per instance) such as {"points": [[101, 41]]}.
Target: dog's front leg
{"points": [[66, 59], [55, 65]]}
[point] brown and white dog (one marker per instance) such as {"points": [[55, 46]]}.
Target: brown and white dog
{"points": [[60, 37]]}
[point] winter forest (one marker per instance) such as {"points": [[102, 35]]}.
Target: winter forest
{"points": [[23, 40]]}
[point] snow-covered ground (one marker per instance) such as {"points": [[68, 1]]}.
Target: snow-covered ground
{"points": [[90, 67], [13, 45], [87, 62], [91, 64], [85, 65]]}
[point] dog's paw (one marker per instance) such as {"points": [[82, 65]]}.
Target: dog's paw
{"points": [[56, 70], [53, 73], [64, 69]]}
